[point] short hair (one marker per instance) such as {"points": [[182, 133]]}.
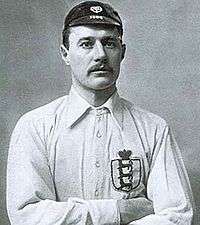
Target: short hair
{"points": [[65, 37], [66, 33]]}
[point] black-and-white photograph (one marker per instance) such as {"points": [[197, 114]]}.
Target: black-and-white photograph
{"points": [[100, 105]]}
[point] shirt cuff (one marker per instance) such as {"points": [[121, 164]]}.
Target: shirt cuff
{"points": [[104, 212]]}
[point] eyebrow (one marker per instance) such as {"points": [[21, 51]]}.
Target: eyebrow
{"points": [[85, 38], [103, 38]]}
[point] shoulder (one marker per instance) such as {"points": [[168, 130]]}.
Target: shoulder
{"points": [[143, 116], [45, 113]]}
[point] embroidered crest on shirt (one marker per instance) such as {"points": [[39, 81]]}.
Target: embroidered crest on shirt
{"points": [[126, 171]]}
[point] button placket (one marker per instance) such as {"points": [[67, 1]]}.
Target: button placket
{"points": [[100, 144], [99, 120]]}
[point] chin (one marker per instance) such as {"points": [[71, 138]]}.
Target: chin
{"points": [[102, 85]]}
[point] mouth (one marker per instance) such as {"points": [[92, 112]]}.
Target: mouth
{"points": [[101, 73], [101, 70]]}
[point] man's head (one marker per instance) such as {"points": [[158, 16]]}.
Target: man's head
{"points": [[92, 45]]}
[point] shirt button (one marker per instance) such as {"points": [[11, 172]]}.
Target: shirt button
{"points": [[97, 164], [99, 118], [98, 134], [98, 112], [96, 193]]}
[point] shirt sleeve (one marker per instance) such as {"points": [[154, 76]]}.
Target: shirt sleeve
{"points": [[31, 194], [168, 186], [134, 209]]}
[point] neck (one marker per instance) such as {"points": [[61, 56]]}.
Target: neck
{"points": [[95, 97]]}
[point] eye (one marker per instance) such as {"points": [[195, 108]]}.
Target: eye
{"points": [[110, 44], [87, 44]]}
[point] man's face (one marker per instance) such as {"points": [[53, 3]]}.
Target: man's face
{"points": [[94, 55]]}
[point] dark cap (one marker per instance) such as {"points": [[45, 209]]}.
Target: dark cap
{"points": [[93, 12]]}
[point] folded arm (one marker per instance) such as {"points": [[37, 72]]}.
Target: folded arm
{"points": [[168, 186], [31, 194]]}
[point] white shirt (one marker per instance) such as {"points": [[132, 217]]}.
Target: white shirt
{"points": [[63, 165]]}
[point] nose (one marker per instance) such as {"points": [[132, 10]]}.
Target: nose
{"points": [[99, 53]]}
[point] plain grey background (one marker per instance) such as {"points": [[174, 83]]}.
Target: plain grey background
{"points": [[161, 71]]}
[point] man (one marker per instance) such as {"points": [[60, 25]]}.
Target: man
{"points": [[93, 157]]}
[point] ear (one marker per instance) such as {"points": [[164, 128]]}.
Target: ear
{"points": [[123, 51], [65, 54]]}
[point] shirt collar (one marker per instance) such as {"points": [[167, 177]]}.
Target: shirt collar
{"points": [[78, 107]]}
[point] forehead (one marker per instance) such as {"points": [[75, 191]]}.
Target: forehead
{"points": [[95, 31]]}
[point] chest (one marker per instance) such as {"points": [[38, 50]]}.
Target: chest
{"points": [[86, 163]]}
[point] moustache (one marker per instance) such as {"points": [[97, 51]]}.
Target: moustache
{"points": [[100, 68]]}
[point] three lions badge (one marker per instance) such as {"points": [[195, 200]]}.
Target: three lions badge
{"points": [[126, 171]]}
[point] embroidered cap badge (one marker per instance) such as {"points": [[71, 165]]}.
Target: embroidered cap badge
{"points": [[96, 9], [126, 171]]}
